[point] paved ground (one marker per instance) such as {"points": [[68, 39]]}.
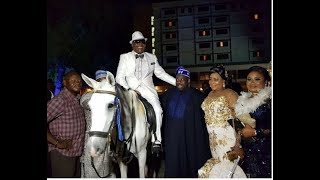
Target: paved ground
{"points": [[161, 170], [133, 169]]}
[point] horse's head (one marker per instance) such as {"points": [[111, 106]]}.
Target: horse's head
{"points": [[101, 104]]}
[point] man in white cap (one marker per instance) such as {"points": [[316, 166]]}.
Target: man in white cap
{"points": [[135, 71], [100, 75]]}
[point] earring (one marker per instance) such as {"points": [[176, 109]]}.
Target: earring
{"points": [[224, 85], [268, 84]]}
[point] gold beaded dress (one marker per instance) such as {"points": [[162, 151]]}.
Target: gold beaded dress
{"points": [[222, 137]]}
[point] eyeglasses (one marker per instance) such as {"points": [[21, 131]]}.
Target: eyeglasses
{"points": [[139, 41]]}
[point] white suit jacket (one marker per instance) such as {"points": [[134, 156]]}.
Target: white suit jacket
{"points": [[126, 73]]}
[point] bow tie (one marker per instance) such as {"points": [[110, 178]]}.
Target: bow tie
{"points": [[139, 56]]}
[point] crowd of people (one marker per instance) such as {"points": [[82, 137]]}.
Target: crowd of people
{"points": [[195, 130]]}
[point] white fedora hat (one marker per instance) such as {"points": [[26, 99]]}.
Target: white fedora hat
{"points": [[137, 35]]}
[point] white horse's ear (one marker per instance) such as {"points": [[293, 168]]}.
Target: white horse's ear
{"points": [[91, 82], [110, 78]]}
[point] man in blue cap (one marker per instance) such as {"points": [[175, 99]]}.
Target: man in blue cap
{"points": [[100, 75], [186, 143]]}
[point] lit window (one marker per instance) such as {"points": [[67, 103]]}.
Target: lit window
{"points": [[153, 40], [152, 31], [170, 23], [153, 51], [171, 35], [259, 53], [256, 16], [204, 33], [205, 57], [152, 20], [222, 44]]}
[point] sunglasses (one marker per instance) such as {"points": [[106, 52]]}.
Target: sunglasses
{"points": [[139, 41]]}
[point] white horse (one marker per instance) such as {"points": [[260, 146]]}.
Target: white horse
{"points": [[99, 166], [108, 104]]}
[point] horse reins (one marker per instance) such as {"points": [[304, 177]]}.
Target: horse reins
{"points": [[108, 133]]}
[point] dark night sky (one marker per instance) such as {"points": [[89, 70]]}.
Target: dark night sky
{"points": [[90, 33]]}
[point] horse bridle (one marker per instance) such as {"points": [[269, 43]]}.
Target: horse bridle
{"points": [[103, 134]]}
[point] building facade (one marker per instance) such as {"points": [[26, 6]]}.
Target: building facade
{"points": [[200, 34]]}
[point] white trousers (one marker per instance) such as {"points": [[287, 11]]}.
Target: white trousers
{"points": [[154, 101]]}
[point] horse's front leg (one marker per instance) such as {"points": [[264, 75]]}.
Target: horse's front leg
{"points": [[142, 159], [123, 169]]}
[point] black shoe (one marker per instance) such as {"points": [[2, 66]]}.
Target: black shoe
{"points": [[156, 148]]}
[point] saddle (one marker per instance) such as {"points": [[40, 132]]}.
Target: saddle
{"points": [[151, 115]]}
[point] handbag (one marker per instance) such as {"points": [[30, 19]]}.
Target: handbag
{"points": [[236, 124]]}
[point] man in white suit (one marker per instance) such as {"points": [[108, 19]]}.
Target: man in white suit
{"points": [[135, 71]]}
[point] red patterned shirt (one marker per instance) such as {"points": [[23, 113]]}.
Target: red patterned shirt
{"points": [[66, 120]]}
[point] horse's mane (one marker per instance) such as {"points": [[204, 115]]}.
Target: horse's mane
{"points": [[127, 98]]}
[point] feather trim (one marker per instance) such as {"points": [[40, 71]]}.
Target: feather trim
{"points": [[246, 103]]}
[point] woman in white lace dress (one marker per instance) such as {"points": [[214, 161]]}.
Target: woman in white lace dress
{"points": [[224, 141]]}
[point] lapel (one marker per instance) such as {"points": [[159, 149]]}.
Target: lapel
{"points": [[133, 63], [149, 61]]}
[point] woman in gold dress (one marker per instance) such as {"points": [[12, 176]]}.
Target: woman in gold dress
{"points": [[224, 141]]}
